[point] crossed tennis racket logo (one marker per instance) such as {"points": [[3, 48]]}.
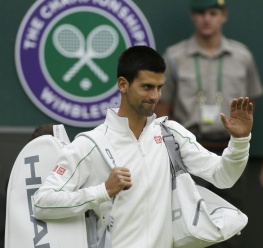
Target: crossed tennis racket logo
{"points": [[100, 43]]}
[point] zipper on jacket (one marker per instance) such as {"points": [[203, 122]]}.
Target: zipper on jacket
{"points": [[147, 186]]}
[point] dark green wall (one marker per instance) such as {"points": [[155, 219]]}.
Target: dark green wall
{"points": [[170, 23]]}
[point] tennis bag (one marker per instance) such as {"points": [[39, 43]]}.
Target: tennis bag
{"points": [[33, 164], [200, 217]]}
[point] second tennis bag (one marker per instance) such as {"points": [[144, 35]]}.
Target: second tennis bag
{"points": [[200, 217]]}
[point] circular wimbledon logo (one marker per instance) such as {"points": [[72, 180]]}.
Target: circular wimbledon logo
{"points": [[67, 53]]}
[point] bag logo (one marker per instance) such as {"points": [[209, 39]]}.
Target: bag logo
{"points": [[67, 53], [110, 156], [32, 183], [177, 214], [61, 171], [158, 139]]}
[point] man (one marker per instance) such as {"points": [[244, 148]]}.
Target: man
{"points": [[142, 213], [204, 74]]}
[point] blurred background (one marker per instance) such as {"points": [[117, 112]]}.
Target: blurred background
{"points": [[170, 22]]}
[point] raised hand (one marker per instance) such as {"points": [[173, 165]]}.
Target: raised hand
{"points": [[118, 180], [240, 121]]}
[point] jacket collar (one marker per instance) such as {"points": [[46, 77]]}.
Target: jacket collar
{"points": [[121, 123]]}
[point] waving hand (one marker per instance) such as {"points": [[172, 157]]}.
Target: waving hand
{"points": [[240, 121]]}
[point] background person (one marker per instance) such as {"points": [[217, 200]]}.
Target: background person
{"points": [[204, 73]]}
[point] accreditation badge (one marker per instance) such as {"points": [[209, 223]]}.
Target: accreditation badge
{"points": [[210, 114]]}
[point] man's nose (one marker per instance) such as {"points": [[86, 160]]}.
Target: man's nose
{"points": [[155, 95]]}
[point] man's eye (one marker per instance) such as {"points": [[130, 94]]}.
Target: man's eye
{"points": [[160, 87], [147, 87]]}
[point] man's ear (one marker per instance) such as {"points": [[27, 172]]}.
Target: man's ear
{"points": [[123, 84], [225, 14]]}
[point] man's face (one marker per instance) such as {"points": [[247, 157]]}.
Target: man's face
{"points": [[143, 94], [209, 22]]}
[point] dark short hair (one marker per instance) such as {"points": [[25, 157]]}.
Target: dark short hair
{"points": [[138, 58], [42, 130]]}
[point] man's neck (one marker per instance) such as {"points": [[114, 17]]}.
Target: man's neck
{"points": [[210, 44], [137, 126], [136, 123]]}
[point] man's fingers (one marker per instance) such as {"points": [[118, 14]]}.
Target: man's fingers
{"points": [[224, 119], [245, 104], [250, 108], [125, 180], [126, 185], [233, 105], [239, 103], [123, 171], [242, 103], [119, 179]]}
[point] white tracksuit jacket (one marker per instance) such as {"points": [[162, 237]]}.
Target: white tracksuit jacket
{"points": [[142, 217]]}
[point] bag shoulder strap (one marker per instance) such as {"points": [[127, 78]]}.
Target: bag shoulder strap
{"points": [[110, 157], [104, 147], [172, 148], [60, 134]]}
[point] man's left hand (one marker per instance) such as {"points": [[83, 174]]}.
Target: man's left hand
{"points": [[240, 121]]}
